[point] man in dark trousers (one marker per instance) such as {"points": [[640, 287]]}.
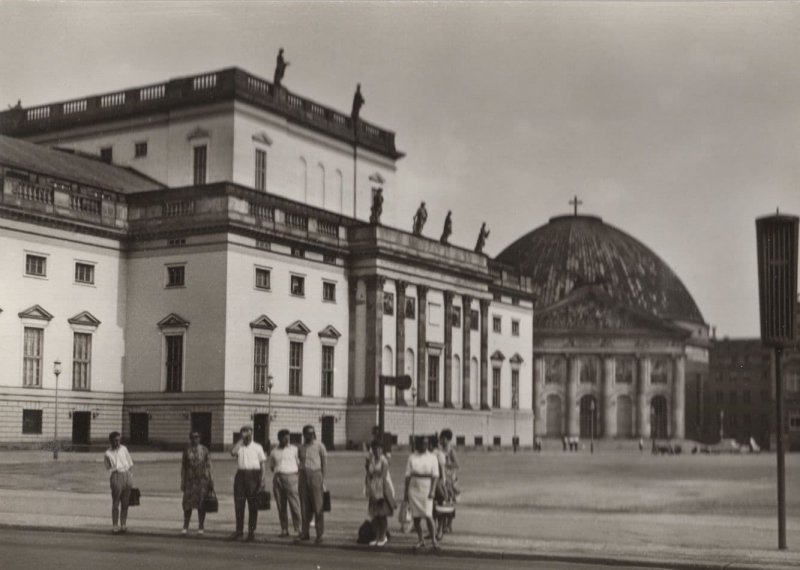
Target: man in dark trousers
{"points": [[313, 461], [250, 478]]}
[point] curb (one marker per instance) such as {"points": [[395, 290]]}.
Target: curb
{"points": [[619, 561]]}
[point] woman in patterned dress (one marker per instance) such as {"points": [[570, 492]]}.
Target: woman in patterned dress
{"points": [[196, 481]]}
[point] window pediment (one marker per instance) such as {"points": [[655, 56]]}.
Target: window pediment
{"points": [[173, 320], [497, 355], [329, 332], [298, 331], [198, 133], [263, 323], [263, 138], [516, 360], [36, 312], [84, 318]]}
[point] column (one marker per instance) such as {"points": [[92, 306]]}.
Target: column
{"points": [[422, 346], [353, 300], [466, 353], [374, 339], [642, 409], [572, 410], [538, 391], [484, 354], [609, 403], [400, 339], [448, 349], [678, 396]]}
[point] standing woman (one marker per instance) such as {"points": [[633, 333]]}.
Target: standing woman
{"points": [[422, 474], [196, 481], [380, 492]]}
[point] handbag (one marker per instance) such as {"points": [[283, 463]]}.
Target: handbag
{"points": [[263, 500], [210, 502], [326, 501], [134, 499], [404, 516]]}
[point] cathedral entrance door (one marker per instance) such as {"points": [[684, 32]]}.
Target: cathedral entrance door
{"points": [[658, 418], [553, 416], [588, 417]]}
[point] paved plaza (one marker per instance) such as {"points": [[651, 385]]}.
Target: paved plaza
{"points": [[610, 505]]}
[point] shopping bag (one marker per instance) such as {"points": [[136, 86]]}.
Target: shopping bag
{"points": [[404, 516], [263, 500], [135, 497], [210, 503], [326, 501]]}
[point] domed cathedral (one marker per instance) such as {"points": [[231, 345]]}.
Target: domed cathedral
{"points": [[620, 347]]}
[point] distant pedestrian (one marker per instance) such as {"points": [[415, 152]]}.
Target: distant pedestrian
{"points": [[421, 478], [285, 463], [249, 481], [118, 463], [313, 461], [196, 482], [380, 492]]}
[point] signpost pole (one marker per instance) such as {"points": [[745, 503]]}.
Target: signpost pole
{"points": [[779, 443]]}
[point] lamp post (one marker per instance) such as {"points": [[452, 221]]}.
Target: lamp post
{"points": [[514, 404], [591, 425], [413, 411], [269, 410], [57, 372]]}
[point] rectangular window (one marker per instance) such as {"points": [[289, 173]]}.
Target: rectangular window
{"points": [[329, 291], [298, 285], [388, 303], [515, 389], [32, 357], [327, 371], [81, 361], [794, 421], [474, 320], [497, 324], [84, 273], [176, 276], [261, 169], [35, 265], [107, 154], [495, 387], [411, 308], [456, 317], [298, 252], [260, 364], [433, 378], [174, 362], [262, 278], [295, 368], [329, 259], [31, 421], [140, 150], [514, 328], [200, 164]]}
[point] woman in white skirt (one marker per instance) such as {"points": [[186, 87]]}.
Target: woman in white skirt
{"points": [[422, 474]]}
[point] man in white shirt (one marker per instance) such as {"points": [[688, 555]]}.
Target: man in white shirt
{"points": [[118, 463], [285, 463], [249, 481]]}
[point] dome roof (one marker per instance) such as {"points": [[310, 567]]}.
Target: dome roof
{"points": [[571, 251]]}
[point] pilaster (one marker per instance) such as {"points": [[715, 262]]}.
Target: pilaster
{"points": [[538, 406], [609, 404], [374, 344], [466, 353], [678, 396], [573, 413], [448, 349], [642, 408], [422, 346], [400, 339], [484, 303]]}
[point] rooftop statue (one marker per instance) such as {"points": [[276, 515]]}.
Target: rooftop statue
{"points": [[377, 206], [358, 102], [448, 228], [419, 219], [280, 68], [482, 235]]}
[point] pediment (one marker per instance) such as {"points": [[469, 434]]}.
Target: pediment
{"points": [[497, 355], [329, 332], [590, 309], [263, 138], [36, 312], [84, 318], [198, 133], [263, 323], [298, 327], [516, 359], [173, 320]]}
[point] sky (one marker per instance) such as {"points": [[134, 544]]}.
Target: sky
{"points": [[678, 123]]}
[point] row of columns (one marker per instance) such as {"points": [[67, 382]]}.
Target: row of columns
{"points": [[374, 343], [607, 401]]}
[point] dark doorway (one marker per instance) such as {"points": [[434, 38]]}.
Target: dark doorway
{"points": [[261, 430], [140, 428], [327, 431], [201, 423], [81, 427], [588, 417], [658, 418]]}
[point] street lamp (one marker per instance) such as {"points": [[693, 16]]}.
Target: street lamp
{"points": [[413, 410], [514, 405], [269, 410], [591, 425], [57, 372]]}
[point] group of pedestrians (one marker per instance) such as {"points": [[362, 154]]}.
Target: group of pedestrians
{"points": [[298, 484]]}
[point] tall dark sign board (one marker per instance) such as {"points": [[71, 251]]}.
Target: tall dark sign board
{"points": [[777, 290]]}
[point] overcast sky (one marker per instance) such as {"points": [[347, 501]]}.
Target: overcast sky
{"points": [[678, 123]]}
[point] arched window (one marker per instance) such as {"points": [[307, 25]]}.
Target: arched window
{"points": [[589, 413]]}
